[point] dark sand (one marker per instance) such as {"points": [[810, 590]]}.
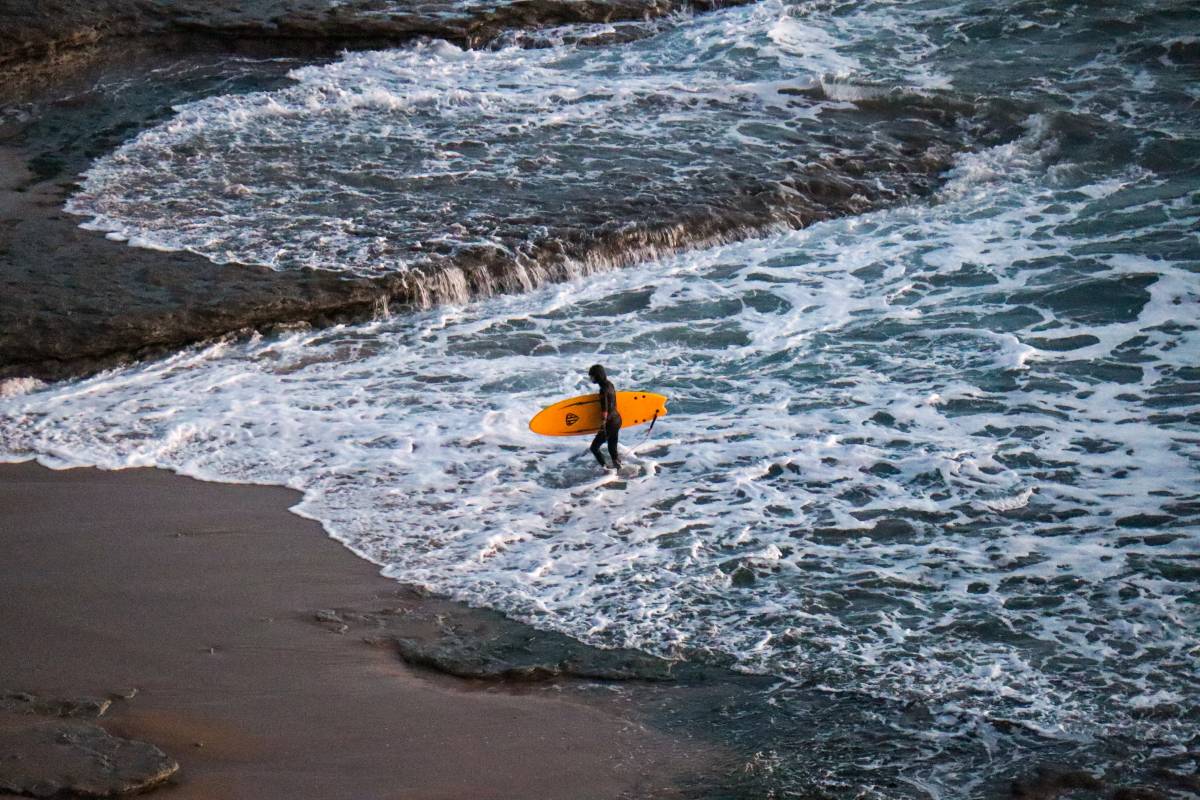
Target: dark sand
{"points": [[201, 597]]}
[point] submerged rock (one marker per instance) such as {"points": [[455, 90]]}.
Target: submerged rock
{"points": [[480, 644], [1047, 784], [48, 758]]}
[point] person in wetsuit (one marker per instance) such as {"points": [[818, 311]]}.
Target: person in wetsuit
{"points": [[610, 425]]}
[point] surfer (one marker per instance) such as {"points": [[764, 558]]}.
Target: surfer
{"points": [[610, 418]]}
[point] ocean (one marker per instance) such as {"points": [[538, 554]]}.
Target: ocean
{"points": [[920, 279]]}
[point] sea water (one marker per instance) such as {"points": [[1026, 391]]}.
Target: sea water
{"points": [[938, 461]]}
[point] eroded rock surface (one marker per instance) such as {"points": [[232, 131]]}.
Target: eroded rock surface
{"points": [[45, 759], [76, 707], [1053, 783], [36, 29], [486, 645], [73, 302], [47, 751]]}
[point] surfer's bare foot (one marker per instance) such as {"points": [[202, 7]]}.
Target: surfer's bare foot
{"points": [[616, 465]]}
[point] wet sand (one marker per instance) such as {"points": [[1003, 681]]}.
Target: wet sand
{"points": [[201, 597]]}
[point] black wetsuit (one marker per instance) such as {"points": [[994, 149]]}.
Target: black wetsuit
{"points": [[612, 428]]}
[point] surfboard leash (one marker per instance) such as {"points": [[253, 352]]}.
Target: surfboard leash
{"points": [[645, 438], [650, 430]]}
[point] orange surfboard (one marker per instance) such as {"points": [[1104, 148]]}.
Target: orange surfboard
{"points": [[577, 416]]}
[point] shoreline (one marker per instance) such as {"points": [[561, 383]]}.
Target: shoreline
{"points": [[229, 632], [76, 302]]}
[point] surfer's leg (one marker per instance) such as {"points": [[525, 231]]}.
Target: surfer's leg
{"points": [[599, 440], [614, 431]]}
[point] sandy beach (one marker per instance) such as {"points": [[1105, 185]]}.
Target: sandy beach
{"points": [[192, 606]]}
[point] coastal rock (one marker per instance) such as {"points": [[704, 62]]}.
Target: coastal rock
{"points": [[480, 644], [73, 302], [48, 758], [1048, 784], [40, 29], [25, 703], [87, 303], [62, 316], [1138, 793]]}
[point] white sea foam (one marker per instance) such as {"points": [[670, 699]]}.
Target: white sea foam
{"points": [[11, 387], [864, 417], [382, 158]]}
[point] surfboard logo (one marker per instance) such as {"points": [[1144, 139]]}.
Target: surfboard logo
{"points": [[579, 416]]}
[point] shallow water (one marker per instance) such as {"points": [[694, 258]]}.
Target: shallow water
{"points": [[936, 462]]}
